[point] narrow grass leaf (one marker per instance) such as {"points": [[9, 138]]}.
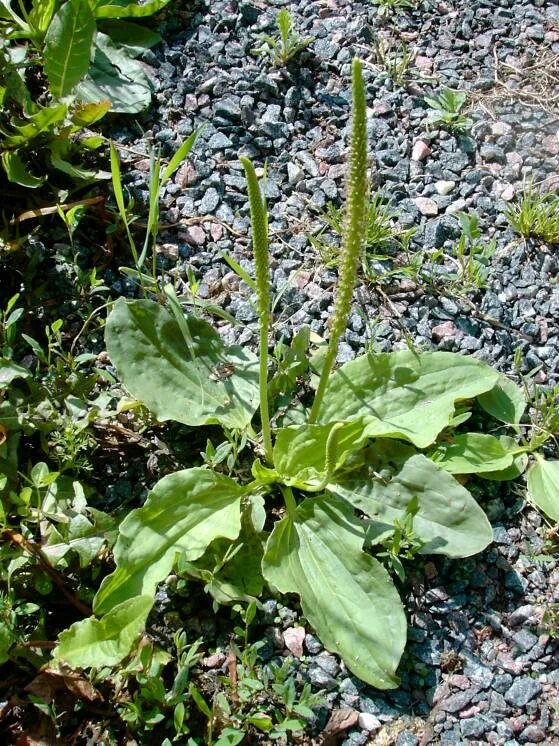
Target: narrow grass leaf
{"points": [[180, 155]]}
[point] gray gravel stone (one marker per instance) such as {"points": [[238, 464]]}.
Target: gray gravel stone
{"points": [[219, 141], [209, 201], [458, 701], [522, 691], [476, 726]]}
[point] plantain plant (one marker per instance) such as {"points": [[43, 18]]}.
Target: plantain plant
{"points": [[378, 448]]}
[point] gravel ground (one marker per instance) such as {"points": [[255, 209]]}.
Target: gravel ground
{"points": [[480, 667]]}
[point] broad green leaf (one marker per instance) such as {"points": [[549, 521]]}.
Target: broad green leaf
{"points": [[205, 385], [473, 453], [132, 37], [232, 572], [115, 76], [183, 513], [42, 120], [518, 466], [9, 371], [449, 520], [68, 43], [9, 476], [81, 536], [505, 401], [104, 642], [12, 416], [75, 172], [543, 486], [346, 594], [115, 9], [17, 171], [306, 455], [404, 394]]}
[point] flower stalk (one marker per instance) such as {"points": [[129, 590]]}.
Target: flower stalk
{"points": [[259, 221], [357, 200]]}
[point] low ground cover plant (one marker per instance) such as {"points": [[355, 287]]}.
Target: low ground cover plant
{"points": [[382, 238], [447, 110], [367, 460], [387, 7], [470, 257], [63, 66], [286, 45], [396, 58], [535, 214]]}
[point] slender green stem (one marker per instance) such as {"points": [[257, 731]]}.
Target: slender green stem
{"points": [[259, 219], [289, 499], [263, 386], [353, 238]]}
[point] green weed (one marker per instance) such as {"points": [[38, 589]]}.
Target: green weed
{"points": [[395, 58], [288, 518], [388, 7], [446, 110], [471, 257], [550, 620], [536, 214], [381, 239], [159, 175], [282, 48]]}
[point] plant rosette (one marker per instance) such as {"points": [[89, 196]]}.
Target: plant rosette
{"points": [[379, 447]]}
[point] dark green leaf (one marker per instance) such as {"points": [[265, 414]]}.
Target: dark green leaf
{"points": [[68, 44], [131, 37]]}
